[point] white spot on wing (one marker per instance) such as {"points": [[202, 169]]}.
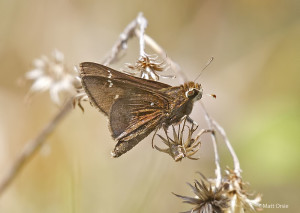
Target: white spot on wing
{"points": [[152, 104], [110, 83], [116, 96]]}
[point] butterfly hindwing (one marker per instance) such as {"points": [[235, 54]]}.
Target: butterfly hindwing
{"points": [[133, 119], [131, 114]]}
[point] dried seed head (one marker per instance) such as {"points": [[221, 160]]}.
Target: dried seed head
{"points": [[236, 191], [147, 66], [230, 196], [208, 198], [180, 147], [51, 74]]}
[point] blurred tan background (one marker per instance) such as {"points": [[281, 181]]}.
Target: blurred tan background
{"points": [[255, 74]]}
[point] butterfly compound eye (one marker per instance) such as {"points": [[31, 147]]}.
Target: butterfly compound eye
{"points": [[190, 93]]}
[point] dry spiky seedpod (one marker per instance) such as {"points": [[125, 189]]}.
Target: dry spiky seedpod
{"points": [[230, 196], [179, 147], [239, 197], [148, 67], [208, 198]]}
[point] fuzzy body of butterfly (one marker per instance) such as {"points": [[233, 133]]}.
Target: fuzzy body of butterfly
{"points": [[135, 106]]}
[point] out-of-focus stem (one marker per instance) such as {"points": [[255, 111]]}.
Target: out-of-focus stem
{"points": [[32, 146], [121, 43], [236, 162], [214, 140], [214, 125]]}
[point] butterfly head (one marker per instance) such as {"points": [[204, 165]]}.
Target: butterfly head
{"points": [[193, 91]]}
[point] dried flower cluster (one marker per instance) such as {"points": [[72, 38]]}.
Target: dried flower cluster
{"points": [[239, 197], [178, 147], [148, 67], [208, 199], [51, 74], [230, 196]]}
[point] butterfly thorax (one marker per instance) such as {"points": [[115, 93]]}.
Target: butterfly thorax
{"points": [[183, 97]]}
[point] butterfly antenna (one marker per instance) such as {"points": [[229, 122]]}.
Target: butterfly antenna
{"points": [[208, 63], [212, 95]]}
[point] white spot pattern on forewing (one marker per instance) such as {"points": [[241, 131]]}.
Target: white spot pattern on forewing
{"points": [[116, 96], [110, 83]]}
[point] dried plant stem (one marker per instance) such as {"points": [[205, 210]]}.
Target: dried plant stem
{"points": [[214, 140], [214, 125], [143, 24], [236, 162], [32, 146], [159, 50], [121, 43]]}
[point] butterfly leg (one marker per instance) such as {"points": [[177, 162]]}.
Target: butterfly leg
{"points": [[154, 137], [190, 120]]}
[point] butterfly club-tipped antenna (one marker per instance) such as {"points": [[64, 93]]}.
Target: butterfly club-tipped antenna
{"points": [[206, 65]]}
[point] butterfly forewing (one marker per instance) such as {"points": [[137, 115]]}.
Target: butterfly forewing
{"points": [[104, 85]]}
